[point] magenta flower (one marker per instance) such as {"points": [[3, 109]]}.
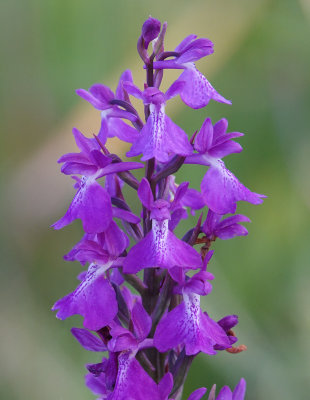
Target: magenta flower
{"points": [[188, 326], [92, 202], [220, 188], [160, 247], [160, 137], [197, 91], [94, 299], [101, 97], [224, 228]]}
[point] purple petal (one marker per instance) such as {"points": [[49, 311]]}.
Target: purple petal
{"points": [[210, 223], [122, 339], [196, 50], [224, 394], [198, 91], [228, 322], [219, 129], [221, 190], [96, 384], [198, 284], [115, 240], [133, 380], [113, 185], [116, 112], [226, 222], [185, 42], [231, 232], [224, 149], [84, 144], [165, 386], [144, 144], [161, 248], [99, 159], [105, 382], [88, 340], [71, 168], [93, 100], [87, 251], [177, 141], [120, 93], [239, 391], [117, 127], [125, 215], [94, 299], [97, 369], [119, 167], [75, 157], [226, 137], [103, 93], [142, 322], [116, 277], [197, 394], [193, 199], [174, 89], [176, 216], [92, 205], [133, 90], [145, 194], [179, 194], [204, 138]]}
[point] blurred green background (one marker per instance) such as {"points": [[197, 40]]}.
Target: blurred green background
{"points": [[262, 63]]}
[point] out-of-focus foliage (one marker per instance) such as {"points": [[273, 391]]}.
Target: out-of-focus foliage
{"points": [[261, 63]]}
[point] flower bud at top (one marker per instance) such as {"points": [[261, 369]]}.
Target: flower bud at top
{"points": [[150, 30]]}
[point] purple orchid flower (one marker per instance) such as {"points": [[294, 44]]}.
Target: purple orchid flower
{"points": [[226, 393], [130, 383], [160, 247], [160, 137], [227, 323], [102, 377], [187, 325], [197, 91], [98, 247], [94, 299], [224, 228], [92, 202], [220, 188], [131, 380], [191, 199], [101, 96]]}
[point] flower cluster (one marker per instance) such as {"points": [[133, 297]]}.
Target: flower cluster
{"points": [[140, 294]]}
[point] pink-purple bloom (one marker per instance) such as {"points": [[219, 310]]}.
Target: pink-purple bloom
{"points": [[197, 90], [160, 137], [220, 188], [160, 247], [140, 290]]}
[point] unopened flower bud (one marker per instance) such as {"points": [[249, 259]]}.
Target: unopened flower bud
{"points": [[150, 30]]}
